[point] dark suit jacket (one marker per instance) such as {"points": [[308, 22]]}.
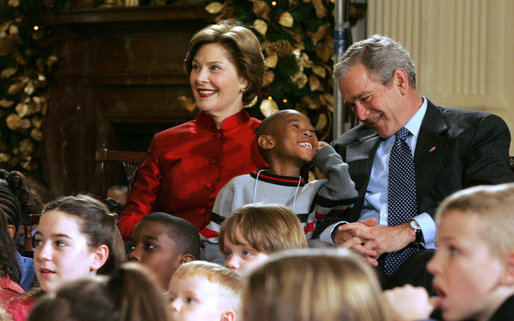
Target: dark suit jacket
{"points": [[455, 149]]}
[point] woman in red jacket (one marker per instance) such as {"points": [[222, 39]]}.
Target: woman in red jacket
{"points": [[188, 164]]}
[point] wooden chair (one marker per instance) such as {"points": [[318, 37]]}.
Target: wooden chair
{"points": [[129, 159], [27, 229]]}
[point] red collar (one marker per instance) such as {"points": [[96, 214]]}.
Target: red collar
{"points": [[207, 122]]}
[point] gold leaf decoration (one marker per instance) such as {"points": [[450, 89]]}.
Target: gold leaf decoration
{"points": [[214, 7], [261, 26], [26, 146], [322, 122], [305, 61], [307, 101], [268, 78], [8, 72], [187, 103], [268, 107], [22, 110], [286, 20], [4, 158], [13, 121], [261, 9], [36, 134], [319, 70], [6, 103], [51, 60], [15, 88], [271, 61], [25, 123], [314, 83], [324, 51], [300, 79], [37, 122], [320, 33], [321, 11]]}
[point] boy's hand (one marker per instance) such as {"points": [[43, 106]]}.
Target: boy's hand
{"points": [[409, 303], [320, 145]]}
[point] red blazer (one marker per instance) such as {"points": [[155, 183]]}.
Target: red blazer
{"points": [[187, 165]]}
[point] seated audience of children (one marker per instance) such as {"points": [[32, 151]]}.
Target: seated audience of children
{"points": [[130, 293], [76, 237], [287, 141], [205, 291], [162, 242], [253, 232], [314, 285], [473, 266]]}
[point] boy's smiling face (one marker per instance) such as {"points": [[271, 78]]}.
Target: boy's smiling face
{"points": [[294, 137], [466, 271], [151, 246]]}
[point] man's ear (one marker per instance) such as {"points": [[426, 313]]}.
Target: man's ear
{"points": [[265, 142], [11, 229], [100, 256], [184, 258], [401, 80], [508, 275], [228, 315]]}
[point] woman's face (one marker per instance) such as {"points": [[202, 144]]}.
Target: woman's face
{"points": [[216, 83], [62, 253]]}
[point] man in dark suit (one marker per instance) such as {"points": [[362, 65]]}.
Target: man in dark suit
{"points": [[451, 149]]}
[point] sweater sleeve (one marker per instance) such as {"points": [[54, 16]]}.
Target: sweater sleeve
{"points": [[338, 193], [222, 207]]}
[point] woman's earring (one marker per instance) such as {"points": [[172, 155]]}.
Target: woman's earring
{"points": [[242, 90]]}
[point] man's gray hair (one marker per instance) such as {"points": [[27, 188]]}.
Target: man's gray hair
{"points": [[381, 56]]}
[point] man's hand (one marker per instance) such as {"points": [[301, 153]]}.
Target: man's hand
{"points": [[356, 236], [389, 239]]}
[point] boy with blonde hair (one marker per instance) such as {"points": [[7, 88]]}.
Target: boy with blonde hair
{"points": [[205, 291], [251, 233], [473, 266], [288, 142]]}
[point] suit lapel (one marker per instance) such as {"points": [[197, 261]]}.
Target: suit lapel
{"points": [[429, 147]]}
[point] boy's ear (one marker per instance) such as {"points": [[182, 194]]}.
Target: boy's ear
{"points": [[508, 276], [228, 315], [184, 258], [11, 229], [100, 256], [265, 142]]}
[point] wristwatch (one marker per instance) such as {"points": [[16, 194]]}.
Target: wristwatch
{"points": [[419, 235]]}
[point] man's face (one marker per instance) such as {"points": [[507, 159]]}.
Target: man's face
{"points": [[376, 105]]}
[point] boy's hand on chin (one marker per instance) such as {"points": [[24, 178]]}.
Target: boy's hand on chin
{"points": [[320, 145]]}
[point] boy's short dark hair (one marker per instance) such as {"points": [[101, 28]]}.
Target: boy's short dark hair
{"points": [[268, 126], [183, 233]]}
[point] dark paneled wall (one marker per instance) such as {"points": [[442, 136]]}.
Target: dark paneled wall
{"points": [[116, 84]]}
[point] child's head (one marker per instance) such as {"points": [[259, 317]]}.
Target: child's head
{"points": [[162, 242], [8, 262], [287, 136], [128, 294], [16, 200], [251, 233], [204, 291], [314, 285], [473, 266], [76, 237]]}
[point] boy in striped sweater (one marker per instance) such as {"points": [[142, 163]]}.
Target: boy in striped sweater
{"points": [[287, 141]]}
